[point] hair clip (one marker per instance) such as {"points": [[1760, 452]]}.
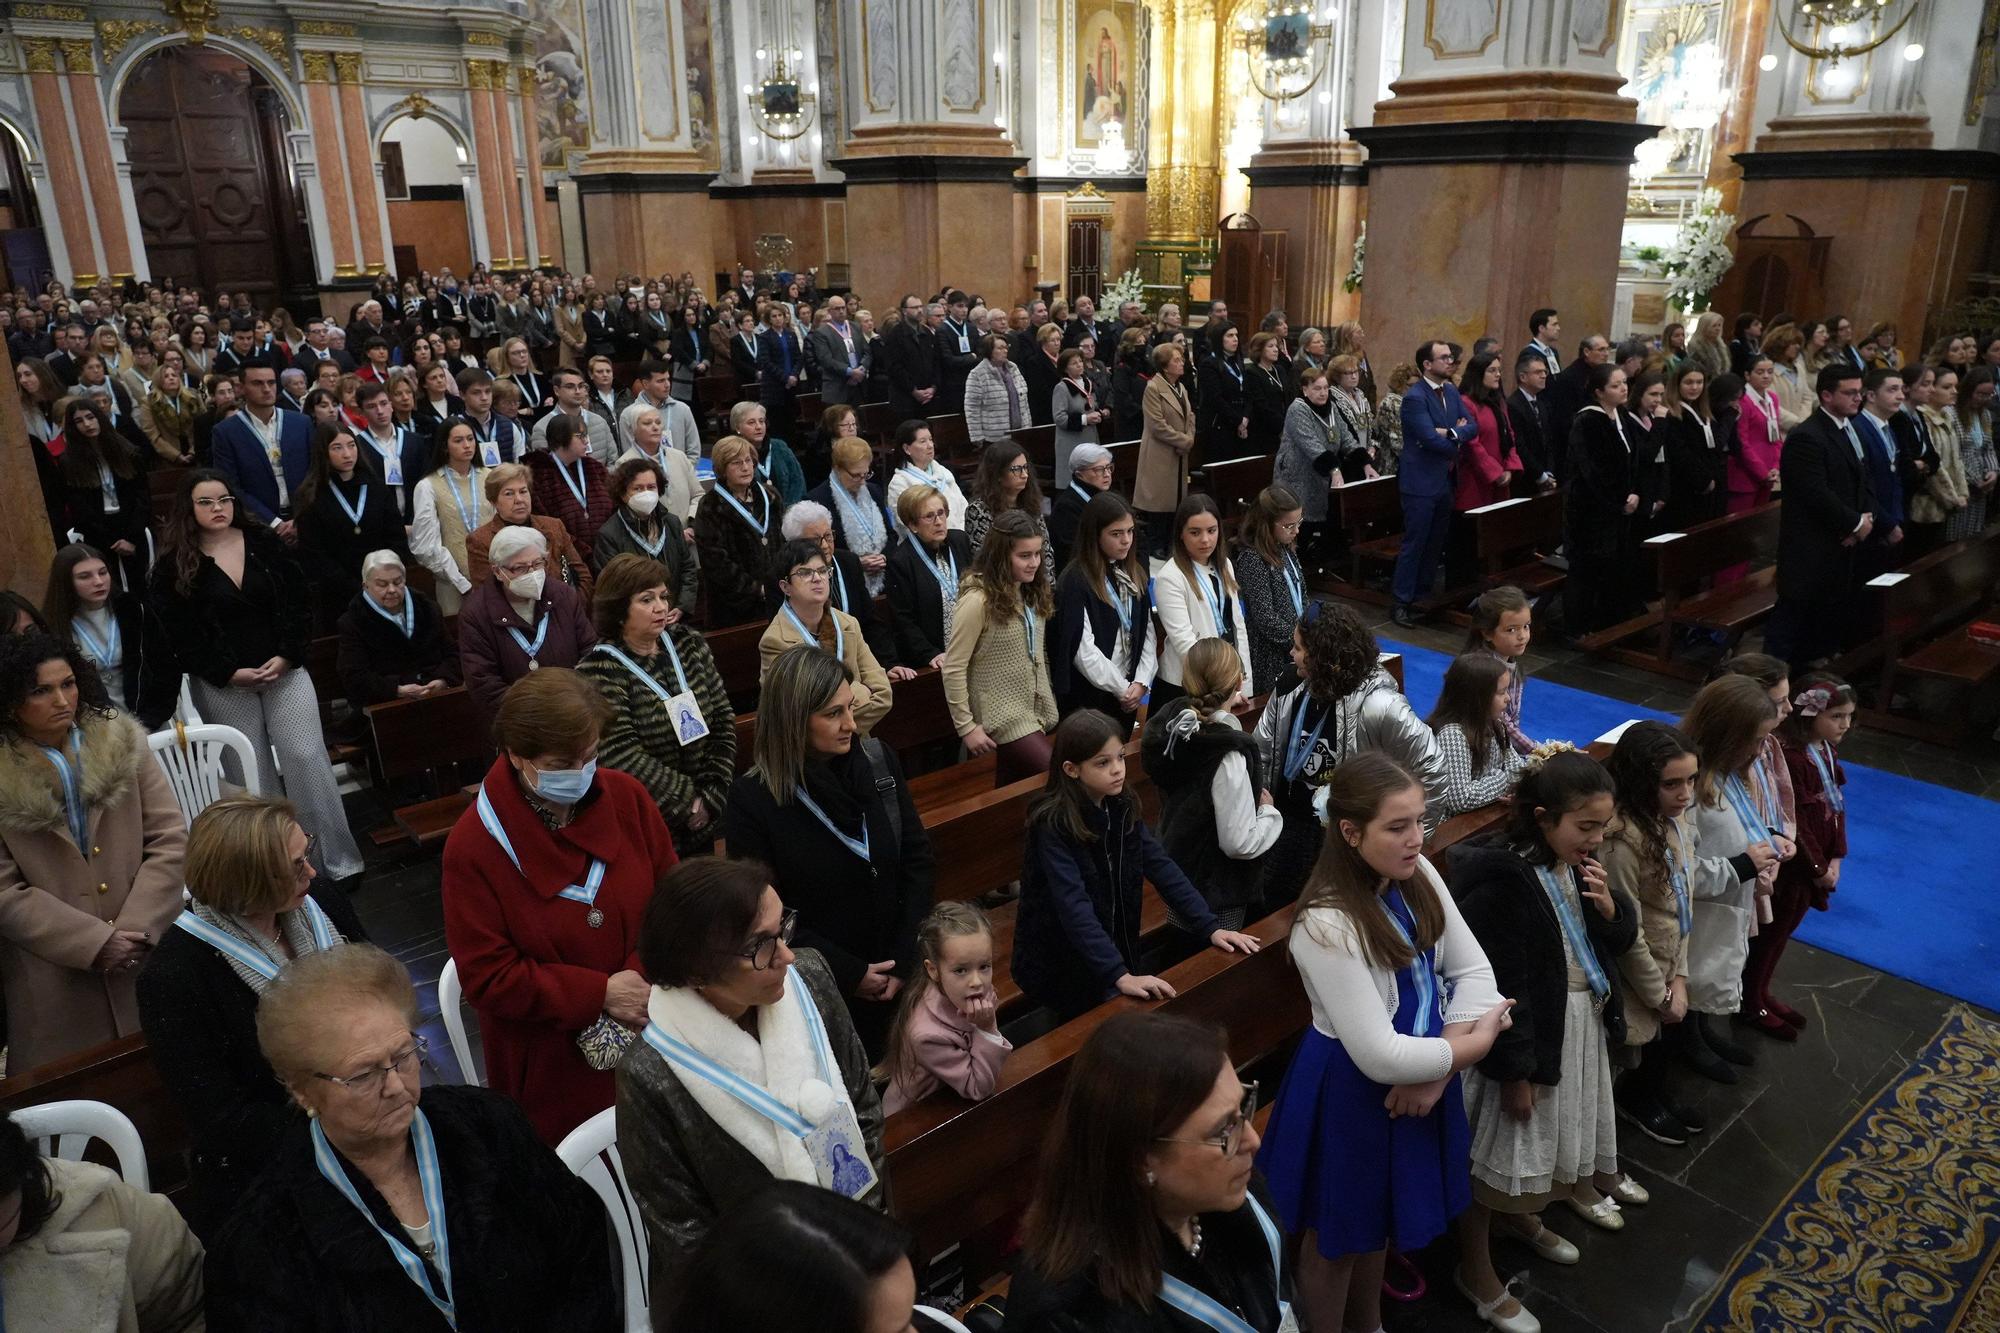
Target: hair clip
{"points": [[1812, 702]]}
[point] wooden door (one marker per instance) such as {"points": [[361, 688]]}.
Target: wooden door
{"points": [[1085, 275], [205, 190]]}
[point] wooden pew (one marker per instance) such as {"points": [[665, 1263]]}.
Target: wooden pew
{"points": [[1921, 611], [1234, 484], [954, 444], [1040, 442], [1683, 564], [878, 422], [738, 661], [1508, 538], [1371, 515], [1124, 465], [810, 406], [423, 736]]}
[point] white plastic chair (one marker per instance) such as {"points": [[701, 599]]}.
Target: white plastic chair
{"points": [[942, 1320], [191, 757], [591, 1151], [451, 1008], [64, 1129], [186, 711]]}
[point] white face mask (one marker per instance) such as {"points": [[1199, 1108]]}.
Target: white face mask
{"points": [[643, 502], [528, 587]]}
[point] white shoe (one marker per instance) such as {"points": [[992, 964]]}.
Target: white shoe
{"points": [[1551, 1246], [1628, 1190], [1518, 1322], [1604, 1213]]}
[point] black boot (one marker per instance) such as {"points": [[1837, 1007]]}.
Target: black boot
{"points": [[1697, 1054], [1715, 1031]]}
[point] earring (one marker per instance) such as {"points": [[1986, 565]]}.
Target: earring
{"points": [[1150, 1179]]}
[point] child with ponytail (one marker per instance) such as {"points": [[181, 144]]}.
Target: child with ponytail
{"points": [[947, 1030]]}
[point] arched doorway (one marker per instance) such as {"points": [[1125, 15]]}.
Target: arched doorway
{"points": [[424, 173], [215, 197]]}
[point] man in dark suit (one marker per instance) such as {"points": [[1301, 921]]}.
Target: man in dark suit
{"points": [[914, 370], [958, 352], [1528, 409], [841, 353], [242, 447], [71, 339], [746, 288], [743, 351], [1435, 425], [1827, 516], [316, 350], [1085, 322], [1569, 391], [1545, 326], [1881, 404], [1743, 348]]}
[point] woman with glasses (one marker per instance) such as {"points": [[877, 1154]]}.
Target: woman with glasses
{"points": [[394, 1205], [925, 573], [734, 1002], [830, 815], [545, 878], [91, 844], [1272, 584], [519, 620], [860, 522], [996, 393], [1146, 1216], [737, 531], [920, 467], [1090, 475], [250, 877], [234, 604], [804, 576], [1006, 481]]}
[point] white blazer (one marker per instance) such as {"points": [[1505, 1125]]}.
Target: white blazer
{"points": [[1186, 618]]}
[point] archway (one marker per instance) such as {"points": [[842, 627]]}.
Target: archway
{"points": [[424, 173], [205, 135]]}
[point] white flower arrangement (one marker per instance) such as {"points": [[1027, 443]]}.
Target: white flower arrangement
{"points": [[1354, 275], [1700, 253], [1129, 287]]}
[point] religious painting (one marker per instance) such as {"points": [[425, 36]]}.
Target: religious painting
{"points": [[1105, 43], [1287, 36], [562, 97], [697, 38]]}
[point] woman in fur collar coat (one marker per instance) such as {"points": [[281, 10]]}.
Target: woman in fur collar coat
{"points": [[86, 887]]}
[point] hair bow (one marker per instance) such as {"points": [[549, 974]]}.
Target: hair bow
{"points": [[1812, 702]]}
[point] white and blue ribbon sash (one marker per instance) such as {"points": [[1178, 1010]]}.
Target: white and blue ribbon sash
{"points": [[532, 647], [1205, 1309], [593, 879], [1211, 592], [683, 1056], [407, 622], [1119, 604], [469, 516], [651, 548], [839, 635], [646, 677], [861, 846], [98, 651], [74, 807], [1572, 927], [1677, 872], [858, 516], [1423, 977], [1755, 830], [944, 568], [353, 511], [255, 959], [431, 1180], [1295, 582], [1299, 746], [1028, 627], [1821, 753], [580, 487], [762, 525]]}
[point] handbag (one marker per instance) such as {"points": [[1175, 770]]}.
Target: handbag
{"points": [[605, 1042]]}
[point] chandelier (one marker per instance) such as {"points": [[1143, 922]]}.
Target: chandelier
{"points": [[1837, 30], [1286, 48], [779, 107]]}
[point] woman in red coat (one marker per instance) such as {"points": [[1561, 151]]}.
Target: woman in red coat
{"points": [[1486, 463], [546, 878]]}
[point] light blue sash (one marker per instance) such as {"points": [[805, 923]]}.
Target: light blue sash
{"points": [[762, 525], [1205, 1309], [683, 1056], [580, 487], [1299, 746], [1821, 753], [255, 959], [1572, 928], [432, 1182], [1295, 582], [1755, 830], [666, 642], [469, 517], [1423, 978], [859, 846], [353, 511], [1211, 592], [407, 622], [104, 654], [1119, 604], [72, 784], [532, 647], [945, 571], [1028, 627], [839, 635], [585, 893]]}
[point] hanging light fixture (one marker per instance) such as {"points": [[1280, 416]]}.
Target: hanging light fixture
{"points": [[1837, 30], [1286, 46], [779, 107]]}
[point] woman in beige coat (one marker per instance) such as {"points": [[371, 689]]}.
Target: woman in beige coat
{"points": [[91, 846], [1164, 447]]}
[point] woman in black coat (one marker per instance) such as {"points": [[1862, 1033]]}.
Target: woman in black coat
{"points": [[344, 512], [1600, 508], [924, 574], [1697, 452], [1121, 634], [104, 488], [392, 641], [80, 601], [1269, 390], [1222, 415], [737, 530], [861, 877], [781, 360], [600, 328]]}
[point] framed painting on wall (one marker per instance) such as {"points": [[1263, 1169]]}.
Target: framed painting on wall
{"points": [[1104, 37]]}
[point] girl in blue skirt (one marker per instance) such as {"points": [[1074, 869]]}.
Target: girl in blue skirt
{"points": [[1368, 1143]]}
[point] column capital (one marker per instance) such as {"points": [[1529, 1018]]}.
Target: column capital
{"points": [[479, 75], [318, 66], [79, 55], [347, 67], [40, 54]]}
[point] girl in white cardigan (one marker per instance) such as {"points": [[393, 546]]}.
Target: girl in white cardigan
{"points": [[1368, 1141], [1195, 597]]}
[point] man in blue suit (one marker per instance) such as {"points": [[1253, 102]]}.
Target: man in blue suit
{"points": [[1435, 425], [264, 450], [1881, 400]]}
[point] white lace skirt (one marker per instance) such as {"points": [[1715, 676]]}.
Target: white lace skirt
{"points": [[1519, 1167]]}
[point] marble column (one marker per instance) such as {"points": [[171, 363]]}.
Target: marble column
{"points": [[330, 157], [929, 157], [541, 226], [492, 246], [26, 543], [1748, 23], [1497, 173], [93, 133], [371, 226], [511, 230], [1908, 200], [73, 221], [1182, 158]]}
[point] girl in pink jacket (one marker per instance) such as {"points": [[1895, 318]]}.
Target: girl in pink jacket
{"points": [[947, 1031]]}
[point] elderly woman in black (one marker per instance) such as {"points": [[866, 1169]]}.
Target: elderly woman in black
{"points": [[344, 512], [233, 601], [394, 1206], [640, 522], [830, 814], [736, 528], [392, 639], [1147, 1214], [731, 995], [672, 726], [924, 574], [105, 490], [250, 877]]}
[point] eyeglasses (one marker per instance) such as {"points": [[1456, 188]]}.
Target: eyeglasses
{"points": [[811, 573], [516, 571], [369, 1081], [761, 952], [1105, 468], [1230, 1137], [1289, 527], [1018, 470], [225, 502], [302, 863], [932, 515]]}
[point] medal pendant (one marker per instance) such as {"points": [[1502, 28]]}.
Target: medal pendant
{"points": [[533, 665], [594, 918], [357, 529]]}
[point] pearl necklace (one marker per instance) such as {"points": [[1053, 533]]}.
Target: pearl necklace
{"points": [[1194, 1246]]}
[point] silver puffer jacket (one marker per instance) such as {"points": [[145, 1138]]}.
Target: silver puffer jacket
{"points": [[1374, 717]]}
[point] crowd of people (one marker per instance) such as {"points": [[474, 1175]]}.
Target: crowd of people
{"points": [[1474, 1049]]}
